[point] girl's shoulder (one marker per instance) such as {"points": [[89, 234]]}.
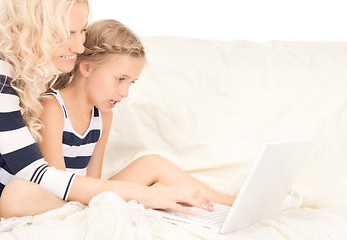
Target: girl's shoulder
{"points": [[50, 106], [48, 100]]}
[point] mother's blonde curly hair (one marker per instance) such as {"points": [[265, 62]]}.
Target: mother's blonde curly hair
{"points": [[104, 39], [29, 32]]}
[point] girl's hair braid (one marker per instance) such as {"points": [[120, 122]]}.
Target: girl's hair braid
{"points": [[104, 39]]}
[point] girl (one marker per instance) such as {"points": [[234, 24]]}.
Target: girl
{"points": [[80, 115], [39, 39]]}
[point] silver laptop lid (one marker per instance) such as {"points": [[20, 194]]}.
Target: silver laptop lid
{"points": [[268, 184]]}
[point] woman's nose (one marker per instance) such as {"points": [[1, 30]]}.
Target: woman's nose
{"points": [[77, 44]]}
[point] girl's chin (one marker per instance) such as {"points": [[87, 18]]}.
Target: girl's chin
{"points": [[105, 109]]}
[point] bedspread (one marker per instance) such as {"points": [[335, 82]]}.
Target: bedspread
{"points": [[109, 217]]}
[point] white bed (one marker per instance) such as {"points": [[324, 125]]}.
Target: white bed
{"points": [[209, 106]]}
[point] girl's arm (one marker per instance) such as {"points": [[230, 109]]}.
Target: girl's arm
{"points": [[96, 160], [52, 118], [156, 197], [19, 150]]}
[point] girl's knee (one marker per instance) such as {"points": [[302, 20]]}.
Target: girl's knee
{"points": [[18, 190], [13, 189], [12, 196], [21, 198], [153, 160], [159, 165]]}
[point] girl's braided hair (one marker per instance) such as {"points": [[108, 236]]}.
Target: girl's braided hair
{"points": [[104, 39]]}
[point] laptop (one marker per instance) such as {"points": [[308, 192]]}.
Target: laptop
{"points": [[261, 195]]}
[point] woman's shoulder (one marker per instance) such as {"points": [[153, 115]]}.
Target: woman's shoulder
{"points": [[6, 69], [6, 76], [9, 100], [5, 85]]}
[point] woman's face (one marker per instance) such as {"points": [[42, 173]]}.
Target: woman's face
{"points": [[64, 56]]}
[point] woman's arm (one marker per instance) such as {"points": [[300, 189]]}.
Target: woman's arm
{"points": [[52, 118], [95, 164], [19, 153]]}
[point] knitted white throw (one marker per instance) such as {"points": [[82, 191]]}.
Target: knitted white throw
{"points": [[110, 217]]}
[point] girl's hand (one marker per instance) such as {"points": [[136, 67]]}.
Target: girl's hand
{"points": [[174, 198]]}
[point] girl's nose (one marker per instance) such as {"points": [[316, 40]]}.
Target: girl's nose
{"points": [[123, 91]]}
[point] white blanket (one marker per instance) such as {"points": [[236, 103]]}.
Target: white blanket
{"points": [[109, 217]]}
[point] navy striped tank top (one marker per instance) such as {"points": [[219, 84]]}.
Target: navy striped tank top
{"points": [[78, 149]]}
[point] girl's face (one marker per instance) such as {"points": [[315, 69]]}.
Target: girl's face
{"points": [[108, 84], [64, 56]]}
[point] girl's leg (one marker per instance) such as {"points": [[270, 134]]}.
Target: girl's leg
{"points": [[23, 198], [153, 169]]}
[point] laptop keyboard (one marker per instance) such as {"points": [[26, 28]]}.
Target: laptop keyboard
{"points": [[216, 218]]}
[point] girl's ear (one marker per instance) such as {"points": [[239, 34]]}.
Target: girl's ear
{"points": [[85, 69]]}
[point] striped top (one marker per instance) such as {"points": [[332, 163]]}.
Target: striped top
{"points": [[20, 156], [78, 149]]}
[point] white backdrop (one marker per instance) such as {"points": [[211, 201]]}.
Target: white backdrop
{"points": [[255, 20]]}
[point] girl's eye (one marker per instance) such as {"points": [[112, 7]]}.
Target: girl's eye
{"points": [[119, 79]]}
